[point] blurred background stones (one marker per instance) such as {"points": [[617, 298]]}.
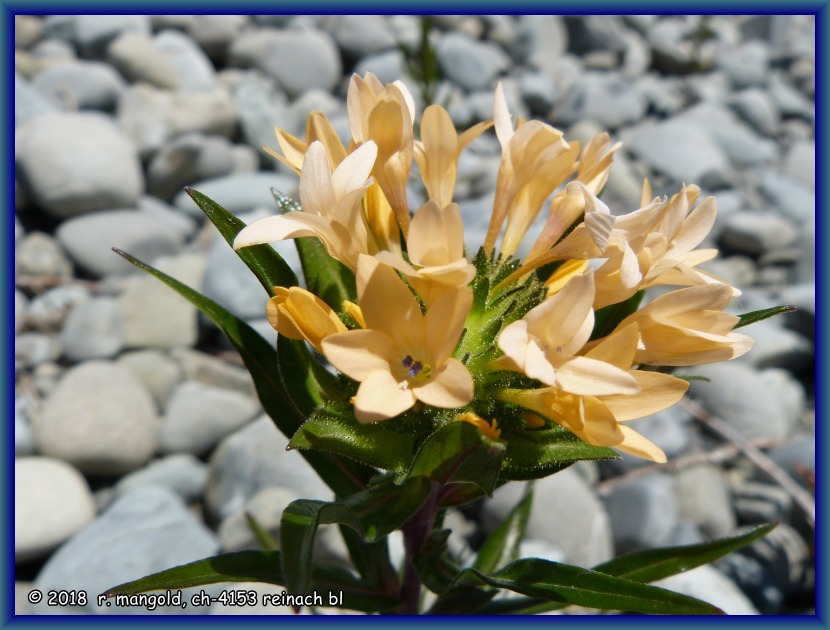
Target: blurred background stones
{"points": [[139, 440]]}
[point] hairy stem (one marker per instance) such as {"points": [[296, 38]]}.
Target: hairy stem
{"points": [[415, 533]]}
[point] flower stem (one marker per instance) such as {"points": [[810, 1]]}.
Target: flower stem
{"points": [[415, 532]]}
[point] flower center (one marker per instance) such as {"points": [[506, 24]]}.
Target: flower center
{"points": [[416, 368], [545, 347]]}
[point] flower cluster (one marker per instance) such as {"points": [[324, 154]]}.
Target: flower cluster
{"points": [[509, 347]]}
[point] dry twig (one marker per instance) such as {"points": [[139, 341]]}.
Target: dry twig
{"points": [[717, 456], [802, 498]]}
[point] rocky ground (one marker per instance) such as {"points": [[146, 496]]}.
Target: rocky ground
{"points": [[139, 442]]}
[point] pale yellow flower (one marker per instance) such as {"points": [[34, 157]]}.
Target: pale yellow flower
{"points": [[546, 342], [318, 128], [437, 152], [688, 327], [535, 160], [331, 206], [563, 274], [598, 419], [650, 246], [436, 251], [385, 115], [662, 239], [299, 314], [383, 231], [402, 356], [594, 167]]}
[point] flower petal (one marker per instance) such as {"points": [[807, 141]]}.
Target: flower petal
{"points": [[556, 320], [525, 353], [358, 353], [355, 169], [635, 444], [501, 118], [338, 241], [387, 304], [381, 397], [444, 322], [695, 227], [450, 387], [273, 229], [436, 235], [589, 377], [657, 392], [618, 348], [317, 195]]}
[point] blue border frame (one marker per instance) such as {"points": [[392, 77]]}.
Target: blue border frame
{"points": [[8, 9]]}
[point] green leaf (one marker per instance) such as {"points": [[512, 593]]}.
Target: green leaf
{"points": [[502, 546], [242, 566], [433, 563], [298, 528], [301, 381], [334, 428], [647, 566], [537, 453], [461, 600], [260, 359], [374, 512], [460, 453], [461, 494], [568, 584], [268, 266], [306, 381], [758, 316], [385, 506], [262, 535], [325, 276], [608, 317], [656, 564], [257, 566]]}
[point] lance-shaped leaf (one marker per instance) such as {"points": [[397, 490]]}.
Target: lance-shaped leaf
{"points": [[574, 585], [344, 477], [325, 276], [462, 600], [257, 566], [502, 546], [373, 513], [268, 266], [655, 564], [459, 453], [385, 506], [646, 566], [538, 453], [262, 535], [333, 428], [758, 316], [298, 528], [306, 381]]}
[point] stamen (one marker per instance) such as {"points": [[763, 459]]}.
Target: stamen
{"points": [[407, 361], [416, 367]]}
